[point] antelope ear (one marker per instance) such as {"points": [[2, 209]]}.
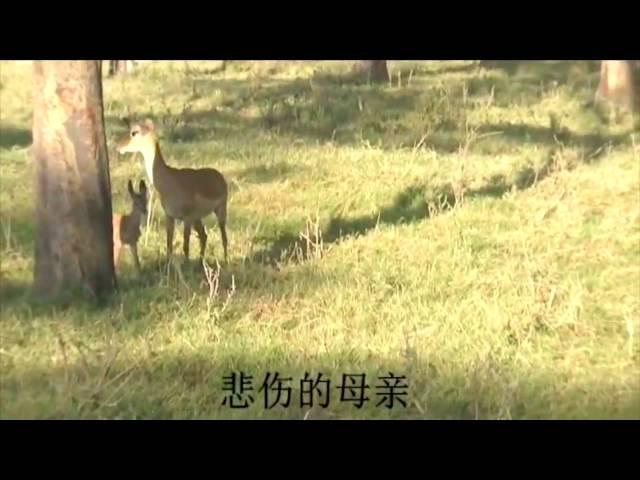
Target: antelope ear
{"points": [[148, 123], [143, 187], [130, 187]]}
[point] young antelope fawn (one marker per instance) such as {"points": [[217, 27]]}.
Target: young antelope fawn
{"points": [[186, 194], [126, 228]]}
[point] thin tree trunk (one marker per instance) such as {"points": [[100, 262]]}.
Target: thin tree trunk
{"points": [[617, 83], [117, 67], [375, 70], [74, 238]]}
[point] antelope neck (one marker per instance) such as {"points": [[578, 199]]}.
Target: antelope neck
{"points": [[151, 157]]}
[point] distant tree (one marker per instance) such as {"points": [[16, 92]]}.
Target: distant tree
{"points": [[374, 70], [617, 84], [74, 238], [119, 66]]}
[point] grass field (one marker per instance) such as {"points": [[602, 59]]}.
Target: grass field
{"points": [[475, 230]]}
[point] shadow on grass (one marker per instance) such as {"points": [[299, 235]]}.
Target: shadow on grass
{"points": [[345, 110], [553, 136], [17, 299], [321, 110], [198, 385], [11, 137], [13, 291], [160, 287], [412, 205], [542, 70], [526, 82]]}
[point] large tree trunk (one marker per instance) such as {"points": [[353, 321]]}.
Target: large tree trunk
{"points": [[74, 239], [374, 70], [616, 83]]}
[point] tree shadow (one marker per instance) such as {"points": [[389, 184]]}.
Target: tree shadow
{"points": [[343, 109], [323, 109], [17, 298], [411, 205], [11, 137], [12, 291], [556, 135], [542, 70], [16, 243], [164, 283], [526, 82], [108, 384]]}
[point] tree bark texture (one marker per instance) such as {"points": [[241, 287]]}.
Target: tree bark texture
{"points": [[617, 83], [74, 237]]}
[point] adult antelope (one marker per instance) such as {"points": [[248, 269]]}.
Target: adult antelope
{"points": [[186, 194]]}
